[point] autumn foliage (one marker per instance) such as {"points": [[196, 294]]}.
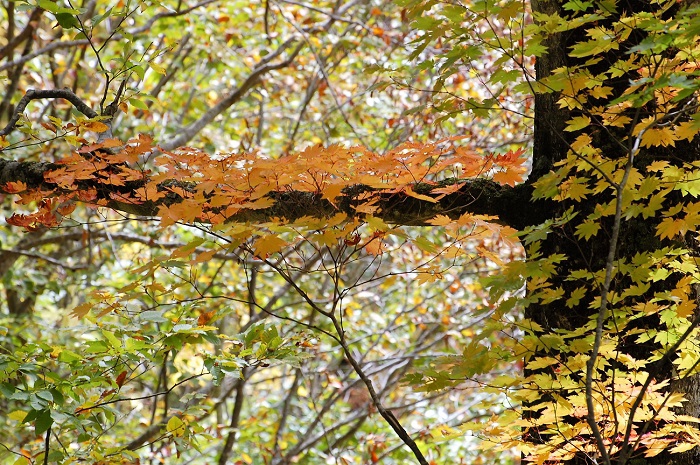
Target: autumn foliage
{"points": [[374, 255]]}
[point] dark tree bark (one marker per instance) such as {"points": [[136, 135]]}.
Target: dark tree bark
{"points": [[551, 144]]}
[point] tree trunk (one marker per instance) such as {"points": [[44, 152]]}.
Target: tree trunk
{"points": [[551, 144]]}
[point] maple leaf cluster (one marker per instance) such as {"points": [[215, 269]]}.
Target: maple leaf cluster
{"points": [[213, 189]]}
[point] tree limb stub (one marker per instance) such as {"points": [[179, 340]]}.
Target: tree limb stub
{"points": [[511, 205]]}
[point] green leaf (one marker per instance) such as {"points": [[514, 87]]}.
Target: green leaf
{"points": [[97, 19], [153, 316], [67, 20], [49, 6], [587, 229], [43, 422], [46, 395]]}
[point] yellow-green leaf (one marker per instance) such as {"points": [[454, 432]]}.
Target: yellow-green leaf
{"points": [[176, 426], [577, 123], [587, 229]]}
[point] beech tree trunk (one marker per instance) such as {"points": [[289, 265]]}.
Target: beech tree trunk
{"points": [[551, 144]]}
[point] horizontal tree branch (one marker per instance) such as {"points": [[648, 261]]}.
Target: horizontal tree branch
{"points": [[39, 256], [511, 205], [52, 46]]}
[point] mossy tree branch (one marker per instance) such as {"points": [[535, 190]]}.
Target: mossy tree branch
{"points": [[511, 205]]}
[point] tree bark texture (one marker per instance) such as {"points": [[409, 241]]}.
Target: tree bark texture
{"points": [[551, 144]]}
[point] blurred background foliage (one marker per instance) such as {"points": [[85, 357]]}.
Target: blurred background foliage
{"points": [[125, 342]]}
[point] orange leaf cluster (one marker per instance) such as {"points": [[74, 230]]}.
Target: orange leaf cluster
{"points": [[215, 188], [225, 185]]}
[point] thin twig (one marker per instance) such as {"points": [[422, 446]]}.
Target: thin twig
{"points": [[388, 415], [47, 444]]}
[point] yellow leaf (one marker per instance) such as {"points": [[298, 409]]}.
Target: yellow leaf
{"points": [[685, 308], [582, 145], [542, 362], [509, 177], [615, 120], [655, 137], [157, 68], [687, 130], [574, 189], [176, 427], [440, 220], [332, 191], [14, 187], [682, 447], [411, 193], [425, 245], [587, 229], [375, 247], [575, 297], [259, 204], [376, 223], [670, 227], [367, 208], [17, 415], [327, 237], [600, 92], [204, 256], [658, 165], [81, 310]]}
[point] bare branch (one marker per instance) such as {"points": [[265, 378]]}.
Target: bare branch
{"points": [[14, 76], [25, 34], [235, 418], [43, 257], [186, 134], [168, 14], [32, 94], [330, 14], [151, 431], [52, 46]]}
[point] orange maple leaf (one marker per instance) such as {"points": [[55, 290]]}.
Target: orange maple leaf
{"points": [[510, 176], [13, 187]]}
